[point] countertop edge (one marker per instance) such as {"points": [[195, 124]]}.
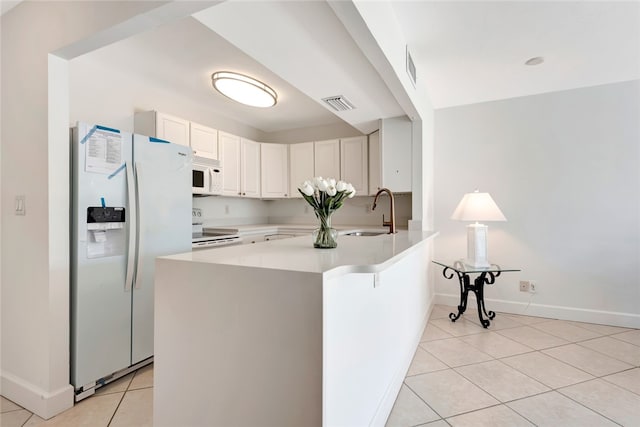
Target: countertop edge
{"points": [[281, 254]]}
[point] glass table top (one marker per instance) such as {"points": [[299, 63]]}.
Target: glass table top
{"points": [[461, 267]]}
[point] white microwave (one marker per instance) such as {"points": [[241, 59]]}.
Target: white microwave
{"points": [[206, 176]]}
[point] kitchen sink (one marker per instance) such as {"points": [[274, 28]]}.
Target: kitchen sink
{"points": [[365, 233]]}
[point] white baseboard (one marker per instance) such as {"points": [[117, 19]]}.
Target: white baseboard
{"points": [[42, 403], [627, 320]]}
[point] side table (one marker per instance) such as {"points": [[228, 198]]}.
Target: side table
{"points": [[485, 275]]}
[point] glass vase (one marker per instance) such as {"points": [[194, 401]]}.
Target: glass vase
{"points": [[325, 237]]}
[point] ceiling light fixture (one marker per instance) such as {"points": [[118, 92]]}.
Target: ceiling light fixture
{"points": [[244, 89], [534, 61]]}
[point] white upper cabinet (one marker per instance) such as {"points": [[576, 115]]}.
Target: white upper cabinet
{"points": [[375, 165], [172, 129], [390, 156], [301, 166], [204, 141], [240, 163], [229, 150], [162, 126], [327, 158], [249, 168], [354, 163], [274, 170]]}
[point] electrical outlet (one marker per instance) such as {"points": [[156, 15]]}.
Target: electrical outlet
{"points": [[533, 286], [368, 207], [525, 286], [226, 209]]}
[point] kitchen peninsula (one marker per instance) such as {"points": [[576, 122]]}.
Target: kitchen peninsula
{"points": [[281, 334]]}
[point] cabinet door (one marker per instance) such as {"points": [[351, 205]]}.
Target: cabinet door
{"points": [[275, 171], [172, 129], [396, 148], [229, 146], [375, 166], [204, 141], [250, 168], [301, 166], [353, 163], [327, 158]]}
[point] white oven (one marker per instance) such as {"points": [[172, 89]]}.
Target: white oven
{"points": [[203, 238], [206, 176]]}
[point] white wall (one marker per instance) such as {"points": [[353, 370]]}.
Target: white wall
{"points": [[564, 168], [221, 211], [387, 53], [35, 163]]}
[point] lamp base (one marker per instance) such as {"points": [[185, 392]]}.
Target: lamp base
{"points": [[477, 250]]}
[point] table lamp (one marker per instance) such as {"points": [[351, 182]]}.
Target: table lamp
{"points": [[476, 207]]}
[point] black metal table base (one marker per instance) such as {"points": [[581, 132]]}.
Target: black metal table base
{"points": [[477, 288]]}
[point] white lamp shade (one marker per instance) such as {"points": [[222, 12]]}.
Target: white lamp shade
{"points": [[478, 207]]}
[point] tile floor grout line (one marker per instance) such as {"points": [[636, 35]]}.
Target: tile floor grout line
{"points": [[566, 339], [523, 415], [603, 378], [520, 372], [475, 410], [27, 420], [452, 367], [423, 401], [613, 357], [570, 364], [117, 407], [618, 339], [585, 406]]}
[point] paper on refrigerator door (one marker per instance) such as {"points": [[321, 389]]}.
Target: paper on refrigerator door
{"points": [[103, 151]]}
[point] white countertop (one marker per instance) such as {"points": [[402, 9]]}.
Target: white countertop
{"points": [[248, 229], [354, 254]]}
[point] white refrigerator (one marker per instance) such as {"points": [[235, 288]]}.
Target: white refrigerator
{"points": [[131, 202]]}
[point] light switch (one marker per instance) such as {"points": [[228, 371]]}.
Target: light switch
{"points": [[21, 208]]}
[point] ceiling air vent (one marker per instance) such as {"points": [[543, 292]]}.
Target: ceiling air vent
{"points": [[411, 68], [339, 103]]}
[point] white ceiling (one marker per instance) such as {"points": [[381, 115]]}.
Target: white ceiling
{"points": [[474, 51], [183, 55], [465, 52]]}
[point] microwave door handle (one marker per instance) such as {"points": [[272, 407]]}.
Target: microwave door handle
{"points": [[211, 180], [131, 203]]}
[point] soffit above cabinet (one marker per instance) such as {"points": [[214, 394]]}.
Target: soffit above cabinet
{"points": [[308, 46]]}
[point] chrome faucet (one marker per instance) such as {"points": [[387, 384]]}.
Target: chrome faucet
{"points": [[392, 223]]}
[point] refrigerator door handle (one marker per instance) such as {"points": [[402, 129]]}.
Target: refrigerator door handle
{"points": [[138, 280], [131, 203]]}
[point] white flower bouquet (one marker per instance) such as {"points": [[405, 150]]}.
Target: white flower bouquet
{"points": [[325, 196]]}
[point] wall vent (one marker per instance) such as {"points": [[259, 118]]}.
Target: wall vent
{"points": [[411, 68], [339, 103]]}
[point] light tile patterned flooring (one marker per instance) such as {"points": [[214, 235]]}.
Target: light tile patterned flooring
{"points": [[522, 371]]}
